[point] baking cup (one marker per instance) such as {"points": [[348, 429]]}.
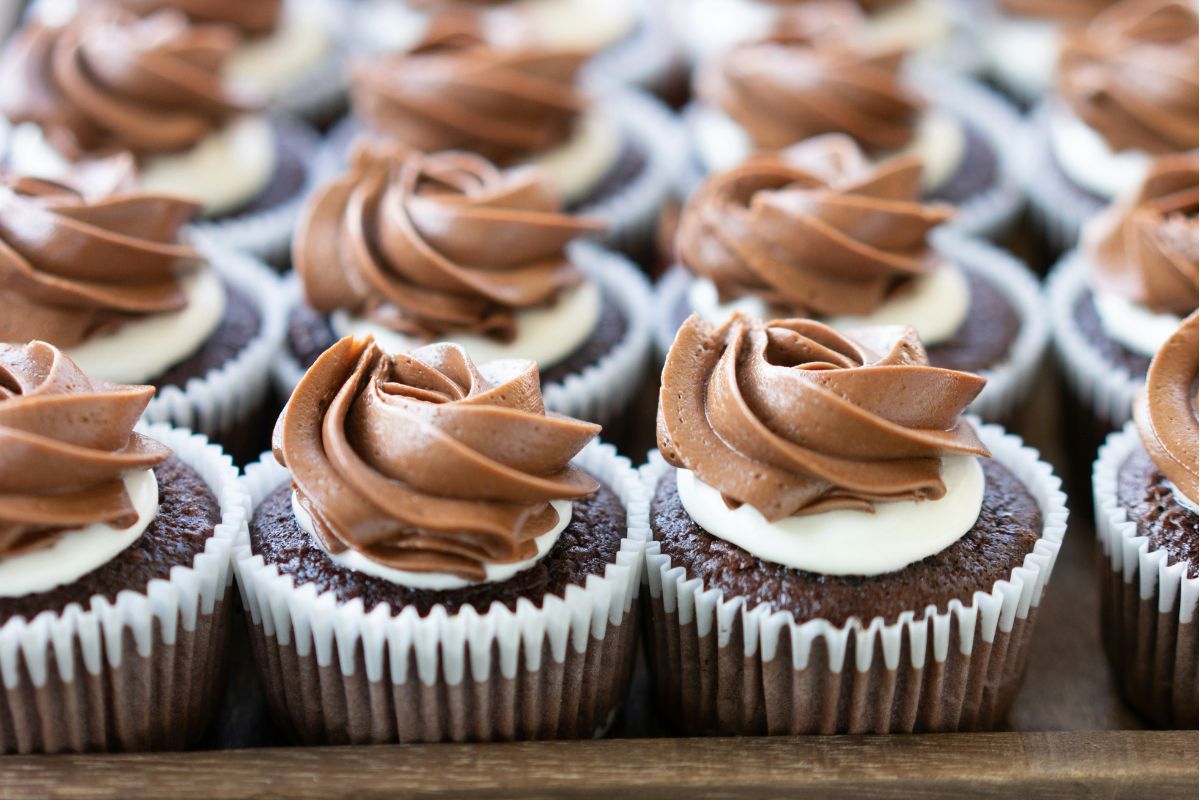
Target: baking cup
{"points": [[1009, 383], [1147, 607], [1107, 389], [226, 400], [720, 667], [141, 673], [267, 234], [319, 94], [601, 391], [334, 673], [648, 58]]}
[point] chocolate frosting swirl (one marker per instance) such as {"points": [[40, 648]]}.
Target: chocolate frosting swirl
{"points": [[66, 442], [1132, 76], [250, 17], [108, 82], [74, 264], [794, 418], [784, 91], [816, 230], [1165, 410], [1146, 248], [426, 462], [503, 104], [433, 244]]}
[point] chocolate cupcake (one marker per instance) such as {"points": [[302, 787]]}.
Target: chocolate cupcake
{"points": [[1126, 94], [767, 95], [832, 550], [415, 248], [1145, 488], [104, 273], [107, 82], [441, 558], [114, 564], [820, 231], [1115, 300]]}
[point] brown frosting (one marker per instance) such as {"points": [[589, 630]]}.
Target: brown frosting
{"points": [[66, 442], [250, 17], [1064, 10], [796, 418], [784, 91], [108, 82], [1165, 410], [503, 104], [433, 244], [1146, 247], [79, 259], [814, 231], [1131, 75], [426, 462]]}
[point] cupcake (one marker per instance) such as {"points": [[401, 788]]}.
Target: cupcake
{"points": [[1117, 299], [414, 248], [1126, 93], [436, 557], [820, 231], [107, 82], [612, 154], [1145, 488], [834, 548], [767, 95], [104, 273], [114, 564]]}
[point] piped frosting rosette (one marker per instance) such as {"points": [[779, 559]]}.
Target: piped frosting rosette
{"points": [[881, 430], [78, 489], [1148, 613], [440, 473]]}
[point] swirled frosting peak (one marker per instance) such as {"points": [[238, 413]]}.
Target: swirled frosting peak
{"points": [[250, 17], [108, 81], [503, 104], [77, 260], [814, 230], [426, 462], [1132, 75], [66, 441], [1146, 248], [784, 91], [432, 244], [793, 417], [1165, 411]]}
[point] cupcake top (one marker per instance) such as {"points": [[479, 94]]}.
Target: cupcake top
{"points": [[1146, 247], [1165, 410], [794, 418], [250, 17], [67, 446], [427, 463], [816, 230], [430, 244], [1131, 76]]}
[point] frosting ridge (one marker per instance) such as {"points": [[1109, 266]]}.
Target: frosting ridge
{"points": [[250, 17], [1165, 410]]}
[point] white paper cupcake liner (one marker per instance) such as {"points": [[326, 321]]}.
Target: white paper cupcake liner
{"points": [[336, 673], [267, 234], [141, 673], [1107, 389], [1148, 607], [226, 398], [723, 668], [602, 390], [1009, 383], [648, 58]]}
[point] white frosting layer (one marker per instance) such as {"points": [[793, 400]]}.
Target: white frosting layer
{"points": [[440, 581], [546, 335], [300, 42], [1132, 324], [1022, 53], [78, 552], [940, 143], [1088, 161], [935, 304], [579, 164], [145, 348], [846, 542], [222, 171]]}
